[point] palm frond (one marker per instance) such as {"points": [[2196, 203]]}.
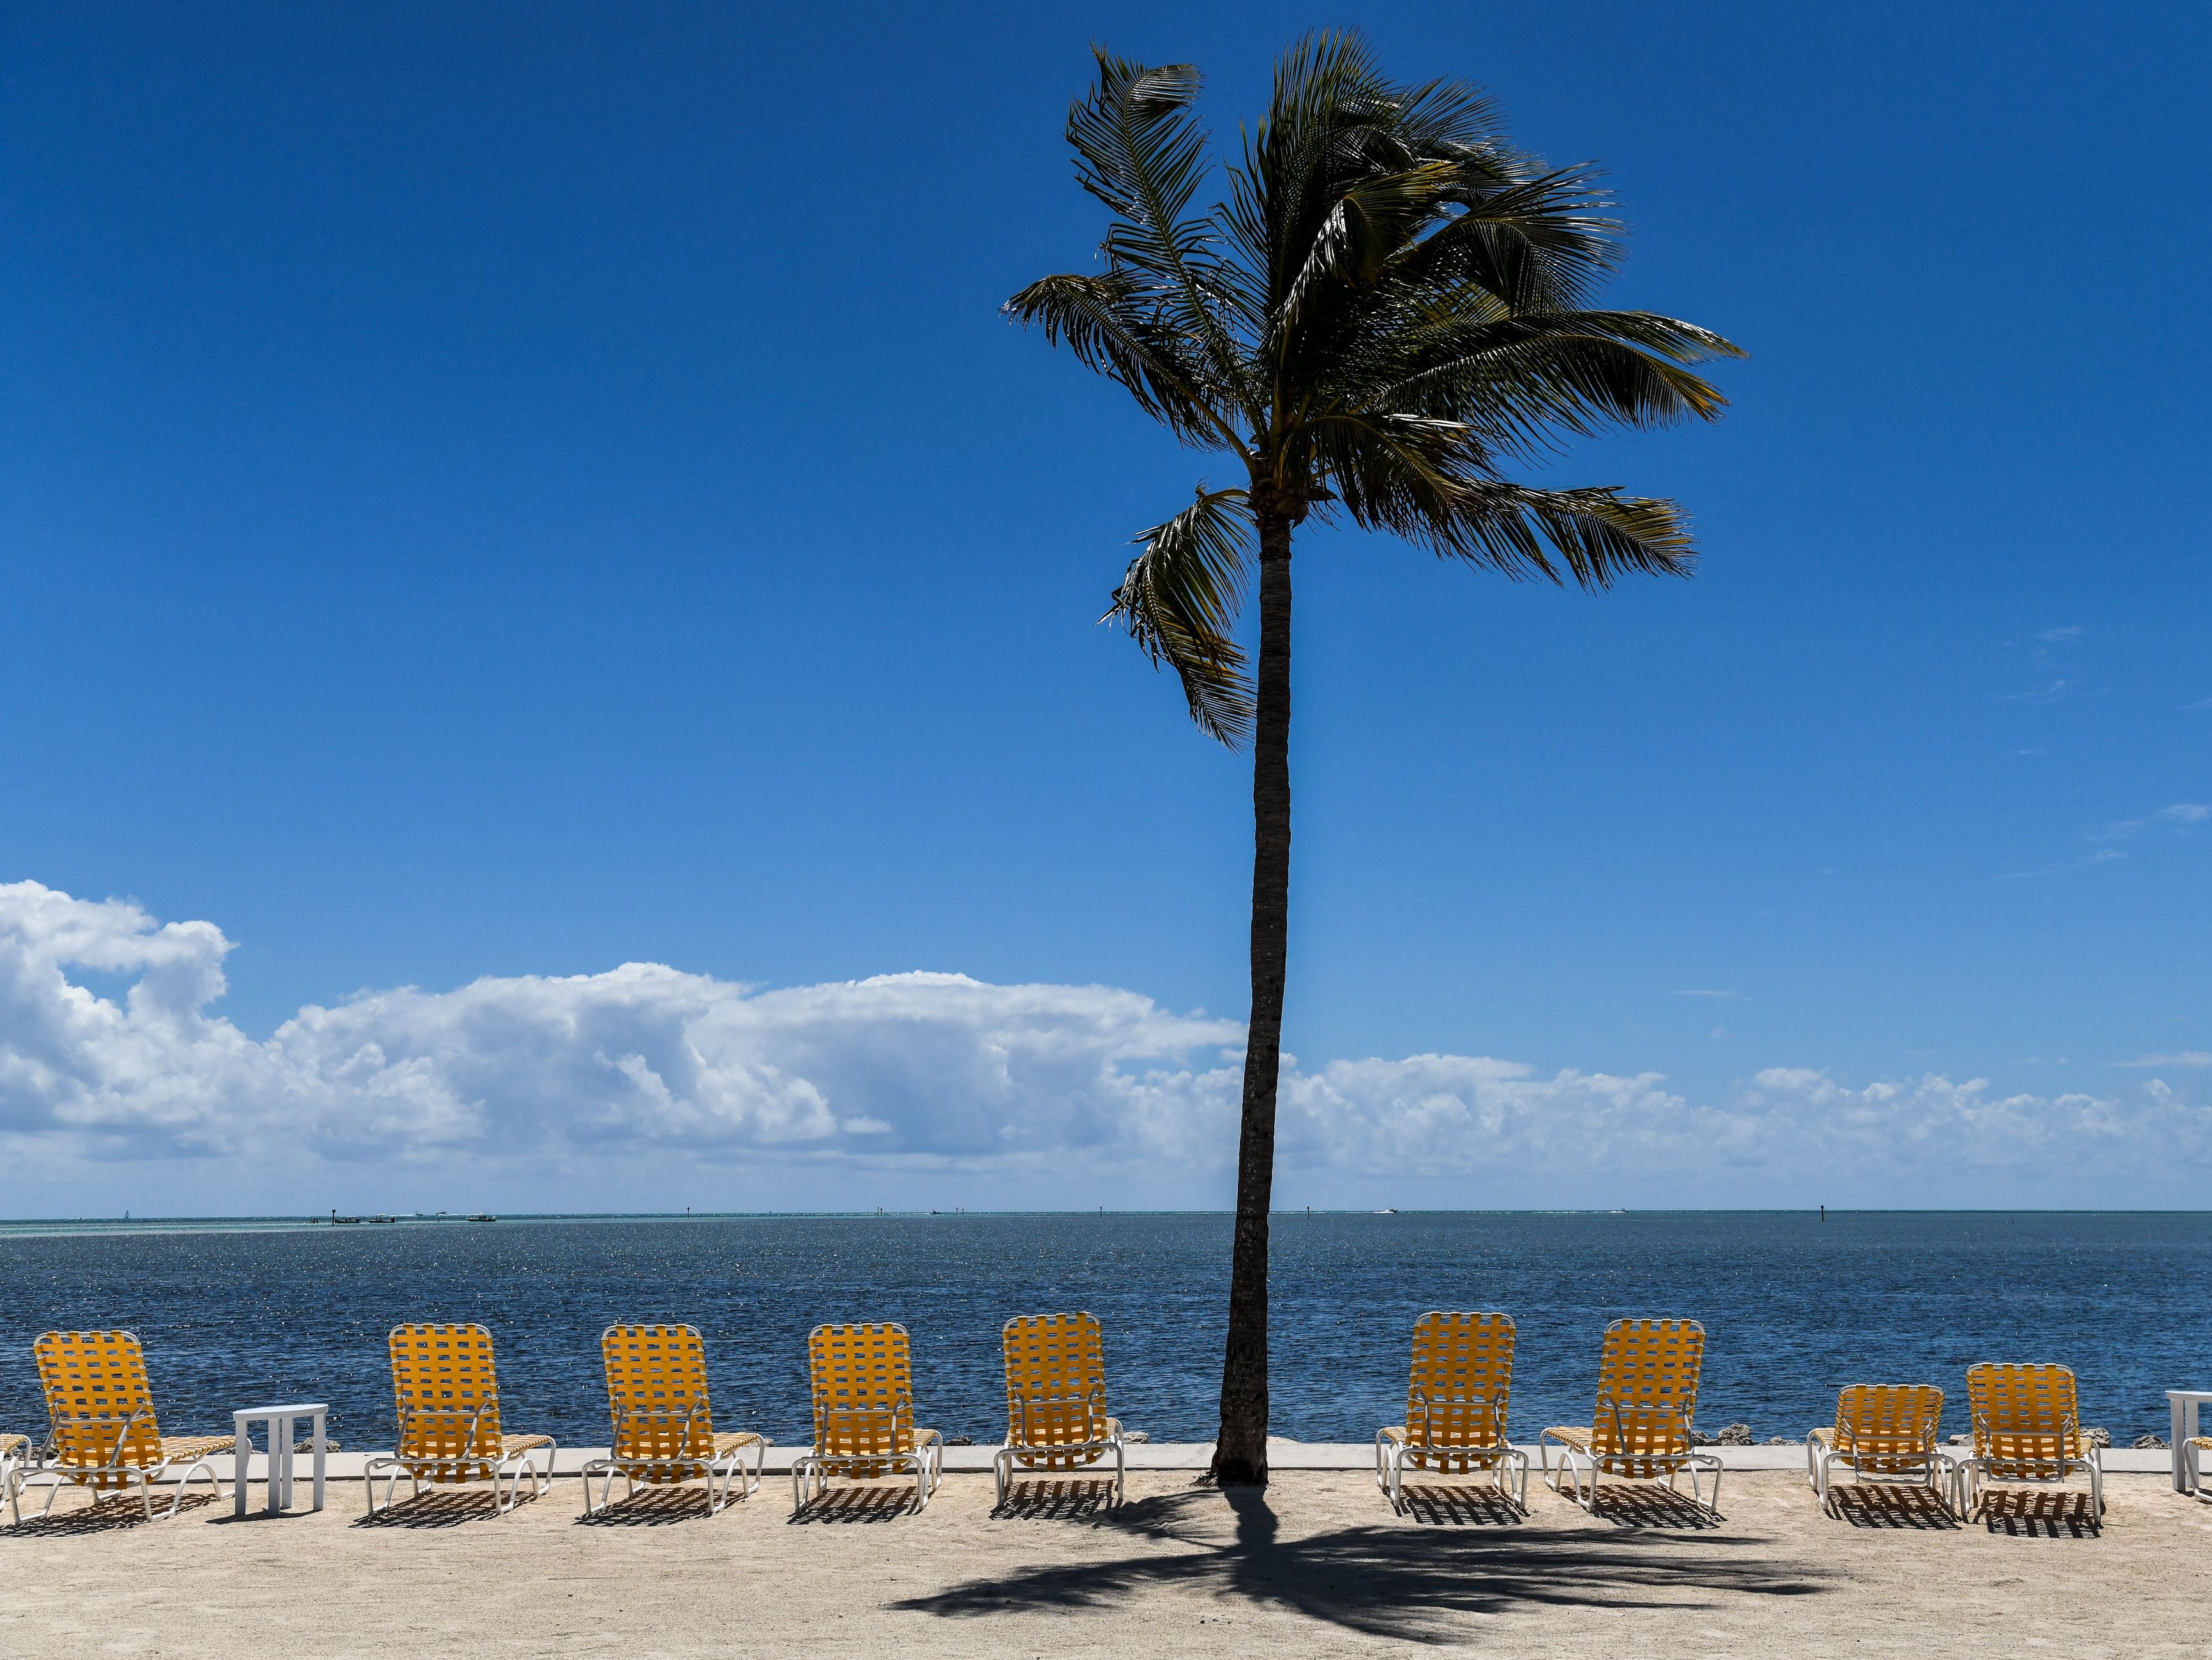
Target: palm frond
{"points": [[1370, 221], [1543, 243], [1519, 378], [1179, 600], [1391, 305], [1103, 321], [1599, 532], [1140, 151]]}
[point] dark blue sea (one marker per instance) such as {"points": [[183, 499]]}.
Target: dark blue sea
{"points": [[238, 1314]]}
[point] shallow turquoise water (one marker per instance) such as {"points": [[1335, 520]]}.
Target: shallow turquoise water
{"points": [[233, 1315]]}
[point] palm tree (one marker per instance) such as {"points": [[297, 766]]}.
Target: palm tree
{"points": [[1386, 312]]}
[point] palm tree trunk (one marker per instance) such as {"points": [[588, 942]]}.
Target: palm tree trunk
{"points": [[1239, 1454]]}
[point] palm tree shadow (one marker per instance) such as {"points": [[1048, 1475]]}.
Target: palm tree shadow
{"points": [[1408, 1583]]}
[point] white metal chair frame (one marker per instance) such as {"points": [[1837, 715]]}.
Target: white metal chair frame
{"points": [[61, 1472], [1968, 1474], [2193, 1466], [457, 1467], [720, 1472], [1105, 1435], [926, 1459], [1499, 1456], [1573, 1462], [15, 1450]]}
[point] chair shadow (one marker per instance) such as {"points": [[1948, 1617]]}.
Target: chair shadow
{"points": [[653, 1507], [1381, 1580], [1641, 1505], [1471, 1506], [109, 1513], [858, 1504], [2033, 1513], [1067, 1499], [1875, 1506], [442, 1507]]}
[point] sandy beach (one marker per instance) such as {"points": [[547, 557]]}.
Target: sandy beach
{"points": [[1317, 1565]]}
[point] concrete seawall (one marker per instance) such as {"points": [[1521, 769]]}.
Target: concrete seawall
{"points": [[1282, 1455]]}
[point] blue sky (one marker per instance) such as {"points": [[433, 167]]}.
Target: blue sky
{"points": [[512, 492]]}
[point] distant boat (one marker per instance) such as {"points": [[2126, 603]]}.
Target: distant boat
{"points": [[337, 1221], [483, 1216], [1385, 1212], [383, 1219]]}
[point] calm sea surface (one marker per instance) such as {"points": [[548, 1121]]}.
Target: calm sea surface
{"points": [[238, 1315]]}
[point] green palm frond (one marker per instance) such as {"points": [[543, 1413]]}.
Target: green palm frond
{"points": [[1105, 324], [1179, 600], [1390, 308], [1139, 151]]}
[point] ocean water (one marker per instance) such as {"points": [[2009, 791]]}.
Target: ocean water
{"points": [[237, 1314]]}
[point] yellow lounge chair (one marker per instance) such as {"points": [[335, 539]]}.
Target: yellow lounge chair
{"points": [[2028, 1427], [663, 1433], [1883, 1431], [1456, 1399], [1056, 1399], [1647, 1394], [15, 1454], [863, 1388], [105, 1435], [446, 1391]]}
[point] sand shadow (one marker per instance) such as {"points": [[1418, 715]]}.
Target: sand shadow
{"points": [[1443, 1505], [1652, 1507], [1383, 1580], [654, 1507], [442, 1507], [1069, 1499], [1874, 1505], [109, 1513], [859, 1504], [2030, 1513]]}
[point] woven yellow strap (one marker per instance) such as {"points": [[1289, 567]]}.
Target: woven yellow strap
{"points": [[99, 1402], [1886, 1428], [1056, 1388], [862, 1379], [2027, 1417]]}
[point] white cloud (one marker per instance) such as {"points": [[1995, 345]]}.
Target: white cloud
{"points": [[644, 1087], [2185, 812], [928, 1066], [2185, 1058]]}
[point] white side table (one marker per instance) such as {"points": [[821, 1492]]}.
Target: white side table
{"points": [[2182, 1404], [281, 1421]]}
